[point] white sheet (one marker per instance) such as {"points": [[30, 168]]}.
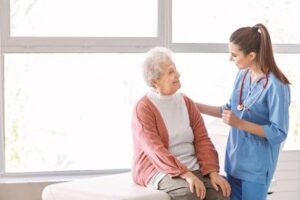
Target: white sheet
{"points": [[111, 187]]}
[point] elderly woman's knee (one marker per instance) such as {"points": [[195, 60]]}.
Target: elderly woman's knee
{"points": [[221, 197], [215, 195], [183, 193]]}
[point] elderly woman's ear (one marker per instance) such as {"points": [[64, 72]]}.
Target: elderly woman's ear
{"points": [[153, 83]]}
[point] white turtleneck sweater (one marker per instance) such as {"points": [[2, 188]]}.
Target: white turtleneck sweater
{"points": [[176, 118]]}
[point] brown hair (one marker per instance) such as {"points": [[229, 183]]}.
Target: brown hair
{"points": [[257, 39]]}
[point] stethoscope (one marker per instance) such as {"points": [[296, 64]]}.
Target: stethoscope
{"points": [[241, 106]]}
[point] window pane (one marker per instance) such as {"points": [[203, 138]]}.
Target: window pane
{"points": [[206, 78], [70, 111], [86, 18], [213, 21]]}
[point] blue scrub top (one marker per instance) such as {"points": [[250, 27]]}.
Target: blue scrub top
{"points": [[250, 157]]}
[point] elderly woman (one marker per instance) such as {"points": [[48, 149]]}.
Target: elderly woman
{"points": [[172, 151]]}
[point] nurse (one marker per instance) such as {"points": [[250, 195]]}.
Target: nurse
{"points": [[257, 111]]}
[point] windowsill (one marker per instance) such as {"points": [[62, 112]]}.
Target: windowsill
{"points": [[17, 180], [291, 147], [53, 177]]}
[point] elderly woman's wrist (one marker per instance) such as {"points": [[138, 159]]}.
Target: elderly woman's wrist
{"points": [[185, 174], [213, 174]]}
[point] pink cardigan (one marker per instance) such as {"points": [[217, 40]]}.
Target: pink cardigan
{"points": [[150, 141]]}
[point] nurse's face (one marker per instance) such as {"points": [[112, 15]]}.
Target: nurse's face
{"points": [[240, 59]]}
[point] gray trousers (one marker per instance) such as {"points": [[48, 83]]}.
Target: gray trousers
{"points": [[178, 188]]}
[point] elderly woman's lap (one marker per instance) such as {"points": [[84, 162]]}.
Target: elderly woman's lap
{"points": [[178, 188]]}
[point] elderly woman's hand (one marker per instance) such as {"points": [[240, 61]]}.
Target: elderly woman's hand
{"points": [[196, 185], [219, 181]]}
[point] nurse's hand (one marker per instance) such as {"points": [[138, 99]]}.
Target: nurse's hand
{"points": [[196, 185], [230, 118], [218, 181]]}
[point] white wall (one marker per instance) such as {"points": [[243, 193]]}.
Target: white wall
{"points": [[287, 177]]}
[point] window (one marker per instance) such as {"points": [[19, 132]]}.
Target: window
{"points": [[61, 72], [70, 73]]}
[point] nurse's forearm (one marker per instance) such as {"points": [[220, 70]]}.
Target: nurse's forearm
{"points": [[209, 110], [252, 128]]}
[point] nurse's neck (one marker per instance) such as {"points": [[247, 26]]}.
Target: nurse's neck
{"points": [[255, 73]]}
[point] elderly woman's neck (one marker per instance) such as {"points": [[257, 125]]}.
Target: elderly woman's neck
{"points": [[160, 93]]}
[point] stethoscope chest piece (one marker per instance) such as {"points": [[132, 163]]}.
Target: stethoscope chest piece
{"points": [[240, 107]]}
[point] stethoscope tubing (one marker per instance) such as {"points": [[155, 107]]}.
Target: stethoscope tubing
{"points": [[241, 105]]}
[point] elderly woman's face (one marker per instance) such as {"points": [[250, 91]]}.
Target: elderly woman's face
{"points": [[168, 82]]}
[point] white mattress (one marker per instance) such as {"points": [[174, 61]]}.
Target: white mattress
{"points": [[111, 187]]}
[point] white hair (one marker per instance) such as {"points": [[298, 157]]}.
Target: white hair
{"points": [[153, 61]]}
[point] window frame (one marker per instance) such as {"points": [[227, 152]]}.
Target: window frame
{"points": [[96, 45]]}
